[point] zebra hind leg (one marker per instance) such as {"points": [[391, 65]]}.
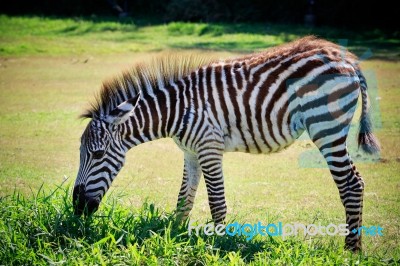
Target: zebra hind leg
{"points": [[190, 182], [350, 185], [328, 123]]}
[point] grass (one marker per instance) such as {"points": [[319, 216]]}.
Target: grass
{"points": [[41, 229], [56, 36], [43, 88]]}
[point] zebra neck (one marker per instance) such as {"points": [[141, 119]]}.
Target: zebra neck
{"points": [[152, 119]]}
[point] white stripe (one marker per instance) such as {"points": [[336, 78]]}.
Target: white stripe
{"points": [[221, 120]]}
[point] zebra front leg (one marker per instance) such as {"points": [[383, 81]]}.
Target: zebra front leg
{"points": [[190, 182], [211, 164]]}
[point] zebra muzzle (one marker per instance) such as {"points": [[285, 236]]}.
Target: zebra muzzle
{"points": [[83, 204]]}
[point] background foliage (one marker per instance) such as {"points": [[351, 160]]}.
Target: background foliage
{"points": [[356, 14]]}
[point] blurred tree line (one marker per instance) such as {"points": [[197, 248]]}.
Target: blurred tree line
{"points": [[353, 14]]}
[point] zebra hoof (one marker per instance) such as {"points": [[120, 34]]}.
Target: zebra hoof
{"points": [[353, 247]]}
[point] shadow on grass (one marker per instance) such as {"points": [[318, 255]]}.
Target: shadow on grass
{"points": [[376, 43], [209, 36], [242, 47]]}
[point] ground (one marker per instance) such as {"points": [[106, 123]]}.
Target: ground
{"points": [[43, 92]]}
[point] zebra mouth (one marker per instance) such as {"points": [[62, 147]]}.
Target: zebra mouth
{"points": [[83, 204]]}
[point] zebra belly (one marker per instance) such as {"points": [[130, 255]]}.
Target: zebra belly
{"points": [[251, 143]]}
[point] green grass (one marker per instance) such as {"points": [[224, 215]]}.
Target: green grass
{"points": [[56, 36], [41, 229], [45, 86]]}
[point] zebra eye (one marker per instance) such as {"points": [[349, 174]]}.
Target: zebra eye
{"points": [[98, 154]]}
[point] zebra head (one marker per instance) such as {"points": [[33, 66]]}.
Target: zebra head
{"points": [[102, 155]]}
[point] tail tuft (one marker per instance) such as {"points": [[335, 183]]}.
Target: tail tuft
{"points": [[366, 139]]}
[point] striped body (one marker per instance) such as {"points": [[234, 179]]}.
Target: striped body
{"points": [[256, 104]]}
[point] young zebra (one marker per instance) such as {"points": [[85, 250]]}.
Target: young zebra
{"points": [[257, 104]]}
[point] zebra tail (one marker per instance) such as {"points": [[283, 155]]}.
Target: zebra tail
{"points": [[366, 139]]}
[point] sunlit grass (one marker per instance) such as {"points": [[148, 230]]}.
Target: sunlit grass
{"points": [[42, 93], [42, 97], [42, 229], [91, 36]]}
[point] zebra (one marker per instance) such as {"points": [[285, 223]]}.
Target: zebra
{"points": [[259, 103]]}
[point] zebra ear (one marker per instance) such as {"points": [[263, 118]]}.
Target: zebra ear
{"points": [[122, 112]]}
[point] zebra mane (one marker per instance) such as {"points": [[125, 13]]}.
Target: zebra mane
{"points": [[143, 78], [162, 70]]}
